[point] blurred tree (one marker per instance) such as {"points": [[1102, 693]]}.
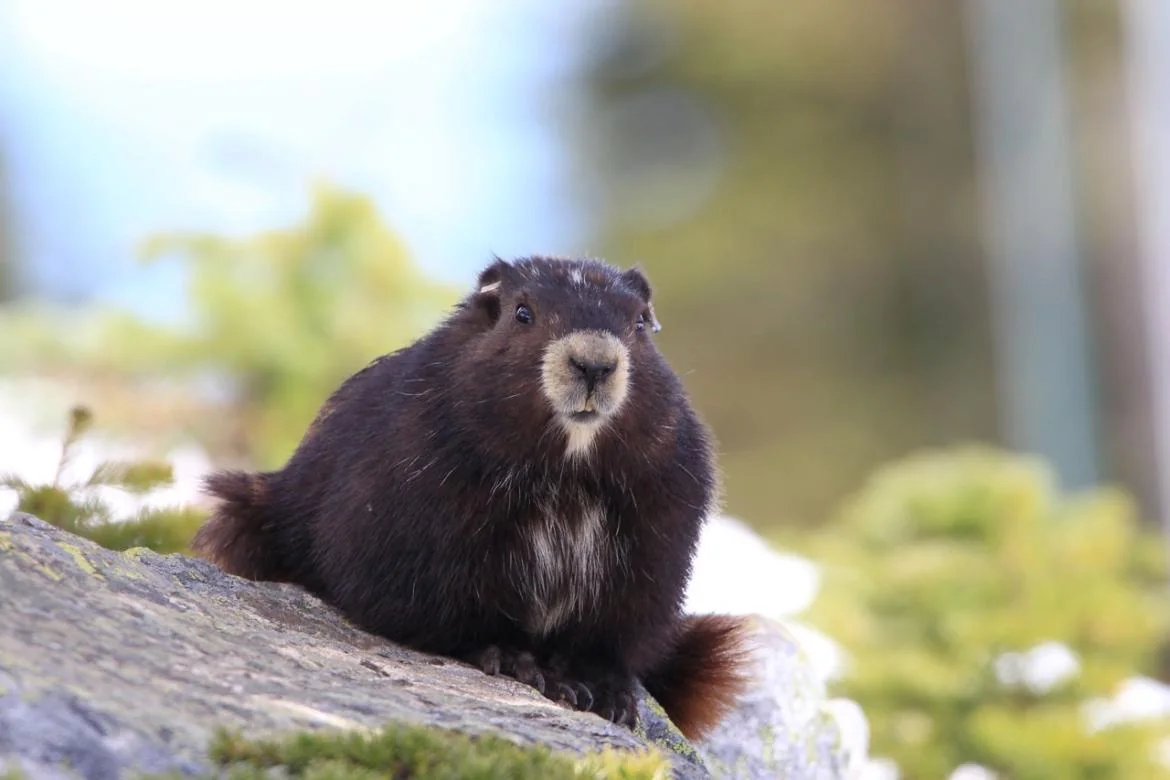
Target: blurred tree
{"points": [[946, 570], [279, 319], [1109, 225], [288, 314], [799, 181]]}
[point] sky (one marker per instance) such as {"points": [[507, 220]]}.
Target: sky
{"points": [[127, 117]]}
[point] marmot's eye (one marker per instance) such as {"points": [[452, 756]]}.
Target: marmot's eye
{"points": [[524, 315], [641, 323]]}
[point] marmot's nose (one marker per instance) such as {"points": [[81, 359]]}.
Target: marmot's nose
{"points": [[592, 371]]}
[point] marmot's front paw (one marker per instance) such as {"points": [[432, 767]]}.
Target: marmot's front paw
{"points": [[605, 693], [562, 687], [614, 699], [609, 695], [518, 664]]}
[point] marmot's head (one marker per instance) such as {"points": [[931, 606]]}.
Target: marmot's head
{"points": [[562, 340]]}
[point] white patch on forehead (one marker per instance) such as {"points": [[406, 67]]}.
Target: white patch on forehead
{"points": [[487, 288], [577, 277], [568, 564]]}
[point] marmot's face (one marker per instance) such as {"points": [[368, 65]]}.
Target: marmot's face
{"points": [[575, 328], [585, 376]]}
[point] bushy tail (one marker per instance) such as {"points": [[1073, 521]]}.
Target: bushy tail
{"points": [[699, 683], [238, 537]]}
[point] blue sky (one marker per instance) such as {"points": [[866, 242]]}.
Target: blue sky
{"points": [[125, 117]]}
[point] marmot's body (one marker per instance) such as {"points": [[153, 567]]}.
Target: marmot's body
{"points": [[522, 488]]}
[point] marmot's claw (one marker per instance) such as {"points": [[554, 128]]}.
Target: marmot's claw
{"points": [[488, 660]]}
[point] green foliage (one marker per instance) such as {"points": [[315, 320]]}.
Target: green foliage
{"points": [[72, 508], [288, 314], [279, 318], [402, 751], [945, 561]]}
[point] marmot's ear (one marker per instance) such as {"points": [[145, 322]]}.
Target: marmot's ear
{"points": [[492, 277], [637, 281], [486, 297]]}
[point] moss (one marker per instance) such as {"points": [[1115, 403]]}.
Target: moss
{"points": [[7, 545], [80, 559], [125, 572], [661, 732], [403, 751], [135, 555], [656, 708], [688, 751]]}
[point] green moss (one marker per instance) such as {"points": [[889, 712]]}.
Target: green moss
{"points": [[126, 573], [404, 752], [79, 557], [6, 545], [656, 708], [682, 745]]}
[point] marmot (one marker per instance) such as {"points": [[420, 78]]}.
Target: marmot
{"points": [[522, 488]]}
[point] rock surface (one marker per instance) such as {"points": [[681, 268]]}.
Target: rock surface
{"points": [[112, 662]]}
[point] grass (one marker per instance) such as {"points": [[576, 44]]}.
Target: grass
{"points": [[65, 505], [405, 752]]}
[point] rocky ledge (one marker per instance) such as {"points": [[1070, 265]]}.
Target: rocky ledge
{"points": [[114, 663]]}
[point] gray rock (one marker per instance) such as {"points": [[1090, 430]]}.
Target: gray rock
{"points": [[784, 726], [114, 662]]}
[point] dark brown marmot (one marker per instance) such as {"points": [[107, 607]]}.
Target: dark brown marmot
{"points": [[522, 488]]}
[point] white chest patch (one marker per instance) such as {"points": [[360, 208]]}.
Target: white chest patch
{"points": [[569, 561], [579, 438]]}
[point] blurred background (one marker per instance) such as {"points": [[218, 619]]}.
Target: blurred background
{"points": [[913, 266]]}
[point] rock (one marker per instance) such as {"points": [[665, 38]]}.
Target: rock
{"points": [[113, 662], [784, 727]]}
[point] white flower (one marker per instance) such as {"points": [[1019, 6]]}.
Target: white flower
{"points": [[1137, 699], [879, 769], [972, 772], [1040, 669]]}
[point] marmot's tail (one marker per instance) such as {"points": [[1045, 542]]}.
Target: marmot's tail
{"points": [[239, 535], [700, 682]]}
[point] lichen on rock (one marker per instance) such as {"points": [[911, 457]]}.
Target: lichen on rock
{"points": [[114, 662]]}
